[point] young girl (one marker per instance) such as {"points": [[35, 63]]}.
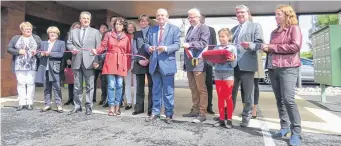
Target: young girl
{"points": [[224, 79]]}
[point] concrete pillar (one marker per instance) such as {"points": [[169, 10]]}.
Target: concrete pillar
{"points": [[12, 14]]}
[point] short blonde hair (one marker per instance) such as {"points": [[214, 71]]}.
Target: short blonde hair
{"points": [[227, 32], [290, 15], [52, 29], [25, 24]]}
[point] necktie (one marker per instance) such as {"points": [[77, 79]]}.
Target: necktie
{"points": [[83, 35], [160, 37], [236, 34]]}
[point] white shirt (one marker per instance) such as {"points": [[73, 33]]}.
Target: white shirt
{"points": [[82, 29], [163, 31], [50, 45]]}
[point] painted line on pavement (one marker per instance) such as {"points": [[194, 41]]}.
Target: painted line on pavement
{"points": [[268, 141]]}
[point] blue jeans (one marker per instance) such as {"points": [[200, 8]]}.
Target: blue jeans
{"points": [[115, 83]]}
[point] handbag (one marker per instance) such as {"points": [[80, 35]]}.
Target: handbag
{"points": [[69, 78], [217, 56]]}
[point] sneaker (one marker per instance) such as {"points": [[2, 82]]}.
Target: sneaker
{"points": [[229, 124], [199, 119], [219, 123]]}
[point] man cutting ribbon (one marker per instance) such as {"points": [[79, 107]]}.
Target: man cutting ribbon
{"points": [[195, 44]]}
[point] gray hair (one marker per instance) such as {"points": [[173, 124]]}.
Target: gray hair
{"points": [[84, 13], [194, 11], [243, 7], [162, 10]]}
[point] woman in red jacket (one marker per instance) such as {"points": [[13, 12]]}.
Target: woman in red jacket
{"points": [[116, 63], [283, 62]]}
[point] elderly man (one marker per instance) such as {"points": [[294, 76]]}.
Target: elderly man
{"points": [[163, 42], [80, 42], [248, 36], [140, 67], [195, 43]]}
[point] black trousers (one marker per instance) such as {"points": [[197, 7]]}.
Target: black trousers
{"points": [[255, 92], [104, 86], [70, 88], [209, 84], [140, 82]]}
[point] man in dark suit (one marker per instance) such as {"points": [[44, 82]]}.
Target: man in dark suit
{"points": [[195, 44], [209, 69], [140, 69]]}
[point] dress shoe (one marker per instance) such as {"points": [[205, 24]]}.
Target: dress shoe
{"points": [[100, 102], [149, 113], [88, 111], [151, 118], [210, 111], [105, 105], [244, 123], [20, 107], [168, 120], [30, 107], [136, 113], [68, 102], [199, 119], [45, 109], [191, 114], [59, 109], [75, 111], [128, 107]]}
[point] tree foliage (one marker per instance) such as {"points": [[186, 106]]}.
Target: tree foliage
{"points": [[324, 20], [308, 55]]}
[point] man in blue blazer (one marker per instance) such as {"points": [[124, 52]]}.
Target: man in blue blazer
{"points": [[163, 42]]}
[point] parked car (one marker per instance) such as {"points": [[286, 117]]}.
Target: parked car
{"points": [[307, 71]]}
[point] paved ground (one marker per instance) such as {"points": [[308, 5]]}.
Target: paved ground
{"points": [[320, 126]]}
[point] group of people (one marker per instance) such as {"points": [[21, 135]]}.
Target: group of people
{"points": [[113, 52]]}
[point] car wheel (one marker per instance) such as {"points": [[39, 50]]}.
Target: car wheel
{"points": [[266, 79]]}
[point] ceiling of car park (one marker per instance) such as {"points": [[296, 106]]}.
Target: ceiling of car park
{"points": [[177, 9]]}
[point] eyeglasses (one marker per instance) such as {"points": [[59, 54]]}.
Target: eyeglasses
{"points": [[192, 17]]}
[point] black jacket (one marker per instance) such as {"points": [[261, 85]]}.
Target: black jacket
{"points": [[137, 68]]}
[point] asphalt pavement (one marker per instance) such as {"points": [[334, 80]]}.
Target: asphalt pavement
{"points": [[32, 128]]}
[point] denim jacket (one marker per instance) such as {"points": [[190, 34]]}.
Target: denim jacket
{"points": [[227, 65]]}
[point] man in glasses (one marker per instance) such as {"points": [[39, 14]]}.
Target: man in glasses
{"points": [[248, 37]]}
